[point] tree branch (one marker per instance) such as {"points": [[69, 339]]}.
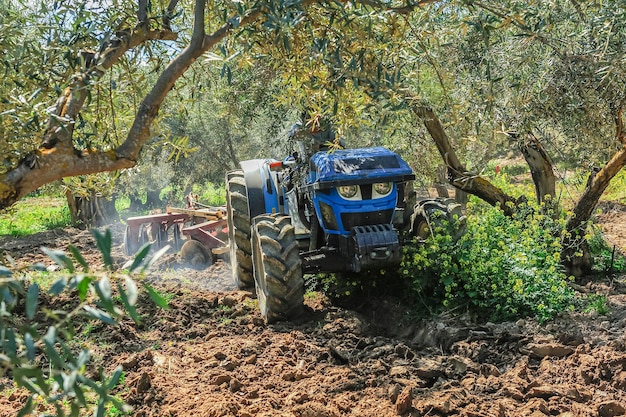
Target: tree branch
{"points": [[56, 157], [578, 10], [169, 13], [149, 107], [142, 12], [620, 135], [458, 175], [61, 123], [45, 166], [515, 22], [540, 166], [404, 10]]}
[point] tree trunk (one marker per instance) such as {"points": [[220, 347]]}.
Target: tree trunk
{"points": [[440, 182], [540, 168], [153, 200], [458, 175], [574, 244], [135, 203], [92, 211], [71, 204], [575, 254], [461, 197]]}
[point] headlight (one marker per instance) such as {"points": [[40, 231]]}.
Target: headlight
{"points": [[328, 217], [382, 188], [347, 191]]}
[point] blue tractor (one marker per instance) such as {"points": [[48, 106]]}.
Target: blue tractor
{"points": [[335, 211]]}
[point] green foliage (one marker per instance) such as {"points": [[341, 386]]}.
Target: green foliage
{"points": [[501, 268], [512, 56], [33, 215], [343, 286], [596, 303], [122, 204], [113, 411], [211, 194], [349, 288], [33, 334]]}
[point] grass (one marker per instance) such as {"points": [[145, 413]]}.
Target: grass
{"points": [[616, 191], [606, 258], [34, 215]]}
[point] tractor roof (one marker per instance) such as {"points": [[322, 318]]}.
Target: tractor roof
{"points": [[353, 166]]}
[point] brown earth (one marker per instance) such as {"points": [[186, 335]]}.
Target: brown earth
{"points": [[612, 220], [211, 354]]}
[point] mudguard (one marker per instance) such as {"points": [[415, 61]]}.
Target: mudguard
{"points": [[261, 187]]}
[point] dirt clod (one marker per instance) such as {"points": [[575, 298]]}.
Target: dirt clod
{"points": [[611, 409], [144, 383], [403, 403], [549, 349]]}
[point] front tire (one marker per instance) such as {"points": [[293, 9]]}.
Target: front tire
{"points": [[277, 268], [239, 229], [431, 213]]}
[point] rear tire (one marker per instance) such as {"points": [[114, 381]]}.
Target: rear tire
{"points": [[239, 229], [277, 268]]}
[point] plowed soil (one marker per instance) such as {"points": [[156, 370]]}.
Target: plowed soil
{"points": [[211, 354]]}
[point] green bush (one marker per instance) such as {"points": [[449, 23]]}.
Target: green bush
{"points": [[596, 303], [122, 204], [505, 181], [211, 194], [347, 288], [501, 268]]}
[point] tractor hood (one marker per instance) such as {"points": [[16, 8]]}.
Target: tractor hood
{"points": [[357, 166]]}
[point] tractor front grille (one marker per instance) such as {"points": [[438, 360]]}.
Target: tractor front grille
{"points": [[368, 218]]}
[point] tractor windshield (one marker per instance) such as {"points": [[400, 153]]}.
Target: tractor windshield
{"points": [[352, 165], [356, 166]]}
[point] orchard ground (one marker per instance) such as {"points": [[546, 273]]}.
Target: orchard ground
{"points": [[211, 354]]}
